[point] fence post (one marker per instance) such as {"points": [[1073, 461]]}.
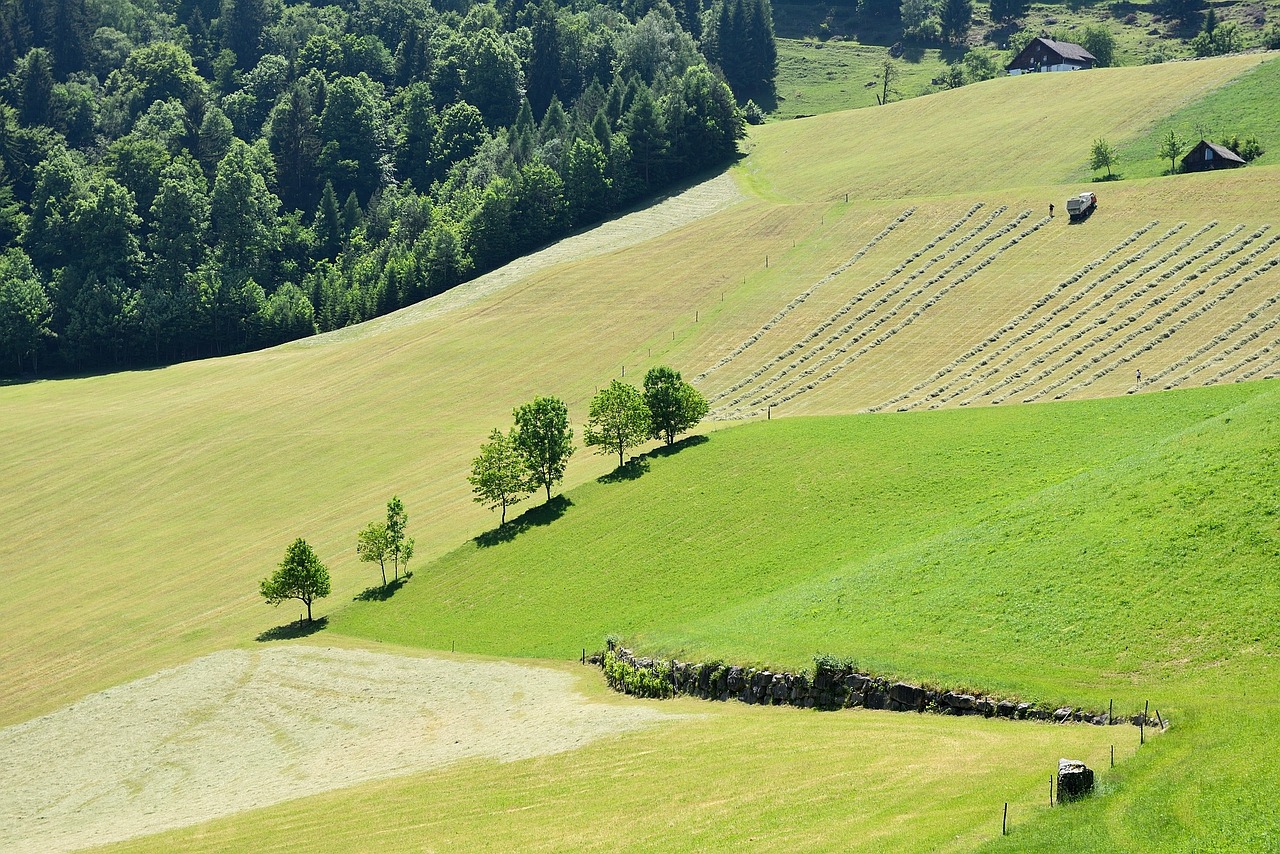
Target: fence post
{"points": [[1004, 824]]}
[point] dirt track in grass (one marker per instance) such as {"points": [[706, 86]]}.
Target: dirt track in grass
{"points": [[241, 729]]}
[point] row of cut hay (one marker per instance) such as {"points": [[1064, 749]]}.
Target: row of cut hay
{"points": [[1234, 348], [728, 410], [804, 296], [839, 313], [918, 311], [1047, 338], [1182, 304], [1261, 269], [1008, 327], [1104, 320], [1166, 333], [1014, 348], [865, 293]]}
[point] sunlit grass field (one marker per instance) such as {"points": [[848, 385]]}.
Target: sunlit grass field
{"points": [[139, 510]]}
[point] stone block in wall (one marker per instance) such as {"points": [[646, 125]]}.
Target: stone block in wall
{"points": [[1075, 780], [874, 698], [734, 680], [1021, 712], [1005, 709], [1063, 714], [986, 708], [959, 704], [905, 698]]}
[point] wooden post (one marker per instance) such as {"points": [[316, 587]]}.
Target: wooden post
{"points": [[1160, 721], [1111, 711], [1113, 756], [695, 317], [1004, 825], [846, 201], [624, 370], [584, 655], [1051, 791], [766, 262]]}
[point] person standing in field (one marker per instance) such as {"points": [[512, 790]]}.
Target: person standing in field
{"points": [[1050, 210]]}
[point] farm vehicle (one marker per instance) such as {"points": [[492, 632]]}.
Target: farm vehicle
{"points": [[1081, 206]]}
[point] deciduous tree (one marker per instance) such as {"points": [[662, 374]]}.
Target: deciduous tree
{"points": [[674, 405], [300, 576], [499, 477], [1171, 146], [544, 440], [1102, 155], [618, 419], [371, 547], [399, 544]]}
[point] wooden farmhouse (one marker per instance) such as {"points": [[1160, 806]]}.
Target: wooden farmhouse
{"points": [[1043, 54], [1208, 155]]}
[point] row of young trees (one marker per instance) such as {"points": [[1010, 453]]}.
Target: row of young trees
{"points": [[217, 177], [534, 453], [301, 575]]}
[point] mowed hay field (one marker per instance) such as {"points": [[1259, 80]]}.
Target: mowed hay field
{"points": [[139, 510]]}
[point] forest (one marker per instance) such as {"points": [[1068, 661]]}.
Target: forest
{"points": [[187, 178]]}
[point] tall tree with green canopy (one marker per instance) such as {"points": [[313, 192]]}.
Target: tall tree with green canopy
{"points": [[1171, 146], [299, 576], [617, 420], [498, 476], [674, 406], [243, 214], [586, 183], [491, 79], [399, 544], [295, 145], [60, 182], [646, 135], [372, 547], [354, 135], [955, 16], [35, 76], [544, 440], [328, 223], [25, 309]]}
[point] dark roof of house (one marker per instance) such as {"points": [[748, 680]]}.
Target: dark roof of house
{"points": [[1218, 151], [1066, 50]]}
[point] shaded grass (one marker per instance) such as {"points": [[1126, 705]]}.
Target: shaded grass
{"points": [[822, 77]]}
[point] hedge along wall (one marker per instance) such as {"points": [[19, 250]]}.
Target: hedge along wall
{"points": [[834, 684]]}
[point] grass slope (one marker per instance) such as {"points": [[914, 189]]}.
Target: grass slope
{"points": [[1105, 549], [1040, 133]]}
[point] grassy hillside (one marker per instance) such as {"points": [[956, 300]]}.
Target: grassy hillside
{"points": [[1111, 549], [140, 509]]}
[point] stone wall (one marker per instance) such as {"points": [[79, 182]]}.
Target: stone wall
{"points": [[828, 687]]}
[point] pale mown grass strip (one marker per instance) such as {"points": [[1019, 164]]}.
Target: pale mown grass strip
{"points": [[861, 781]]}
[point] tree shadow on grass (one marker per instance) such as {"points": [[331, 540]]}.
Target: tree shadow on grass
{"points": [[296, 629], [630, 470], [543, 514], [676, 447], [633, 468], [382, 592]]}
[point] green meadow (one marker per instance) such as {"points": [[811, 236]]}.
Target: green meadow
{"points": [[1112, 546]]}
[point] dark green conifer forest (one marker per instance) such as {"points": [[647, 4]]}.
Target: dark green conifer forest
{"points": [[190, 178]]}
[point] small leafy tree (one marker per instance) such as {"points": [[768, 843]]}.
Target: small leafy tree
{"points": [[618, 419], [499, 478], [1171, 147], [674, 405], [399, 546], [544, 440], [1099, 41], [371, 547], [1103, 155], [300, 576]]}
